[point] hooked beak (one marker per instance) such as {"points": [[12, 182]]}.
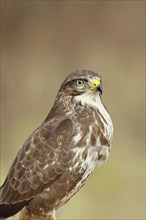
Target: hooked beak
{"points": [[97, 86]]}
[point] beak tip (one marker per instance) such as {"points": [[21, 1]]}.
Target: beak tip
{"points": [[99, 88]]}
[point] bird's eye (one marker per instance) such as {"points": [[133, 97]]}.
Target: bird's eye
{"points": [[80, 82]]}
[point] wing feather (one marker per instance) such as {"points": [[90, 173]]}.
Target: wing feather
{"points": [[39, 163]]}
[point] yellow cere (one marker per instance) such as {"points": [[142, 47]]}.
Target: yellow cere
{"points": [[95, 84]]}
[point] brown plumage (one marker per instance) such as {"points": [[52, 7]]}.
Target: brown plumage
{"points": [[58, 157]]}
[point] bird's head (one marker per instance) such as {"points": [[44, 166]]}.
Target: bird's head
{"points": [[84, 86]]}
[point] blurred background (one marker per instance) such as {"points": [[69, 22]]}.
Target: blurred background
{"points": [[42, 42]]}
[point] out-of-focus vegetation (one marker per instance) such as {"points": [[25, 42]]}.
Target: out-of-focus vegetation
{"points": [[43, 41]]}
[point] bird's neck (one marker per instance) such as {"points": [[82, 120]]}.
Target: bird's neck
{"points": [[78, 107]]}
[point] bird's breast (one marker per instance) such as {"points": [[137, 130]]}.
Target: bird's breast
{"points": [[90, 146], [92, 139]]}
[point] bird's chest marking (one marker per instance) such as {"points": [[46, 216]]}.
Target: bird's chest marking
{"points": [[89, 152], [85, 137], [84, 164]]}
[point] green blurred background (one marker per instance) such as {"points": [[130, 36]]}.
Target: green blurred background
{"points": [[42, 42]]}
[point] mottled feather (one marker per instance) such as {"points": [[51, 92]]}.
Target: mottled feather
{"points": [[39, 163], [59, 156]]}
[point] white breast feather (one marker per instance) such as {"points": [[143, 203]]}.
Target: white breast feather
{"points": [[93, 99]]}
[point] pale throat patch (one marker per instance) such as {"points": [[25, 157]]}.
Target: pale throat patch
{"points": [[90, 98], [93, 99]]}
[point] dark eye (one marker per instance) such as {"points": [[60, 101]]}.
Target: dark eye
{"points": [[80, 82]]}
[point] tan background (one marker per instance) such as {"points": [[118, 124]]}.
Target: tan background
{"points": [[43, 41]]}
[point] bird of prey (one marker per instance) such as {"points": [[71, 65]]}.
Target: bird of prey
{"points": [[58, 157]]}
